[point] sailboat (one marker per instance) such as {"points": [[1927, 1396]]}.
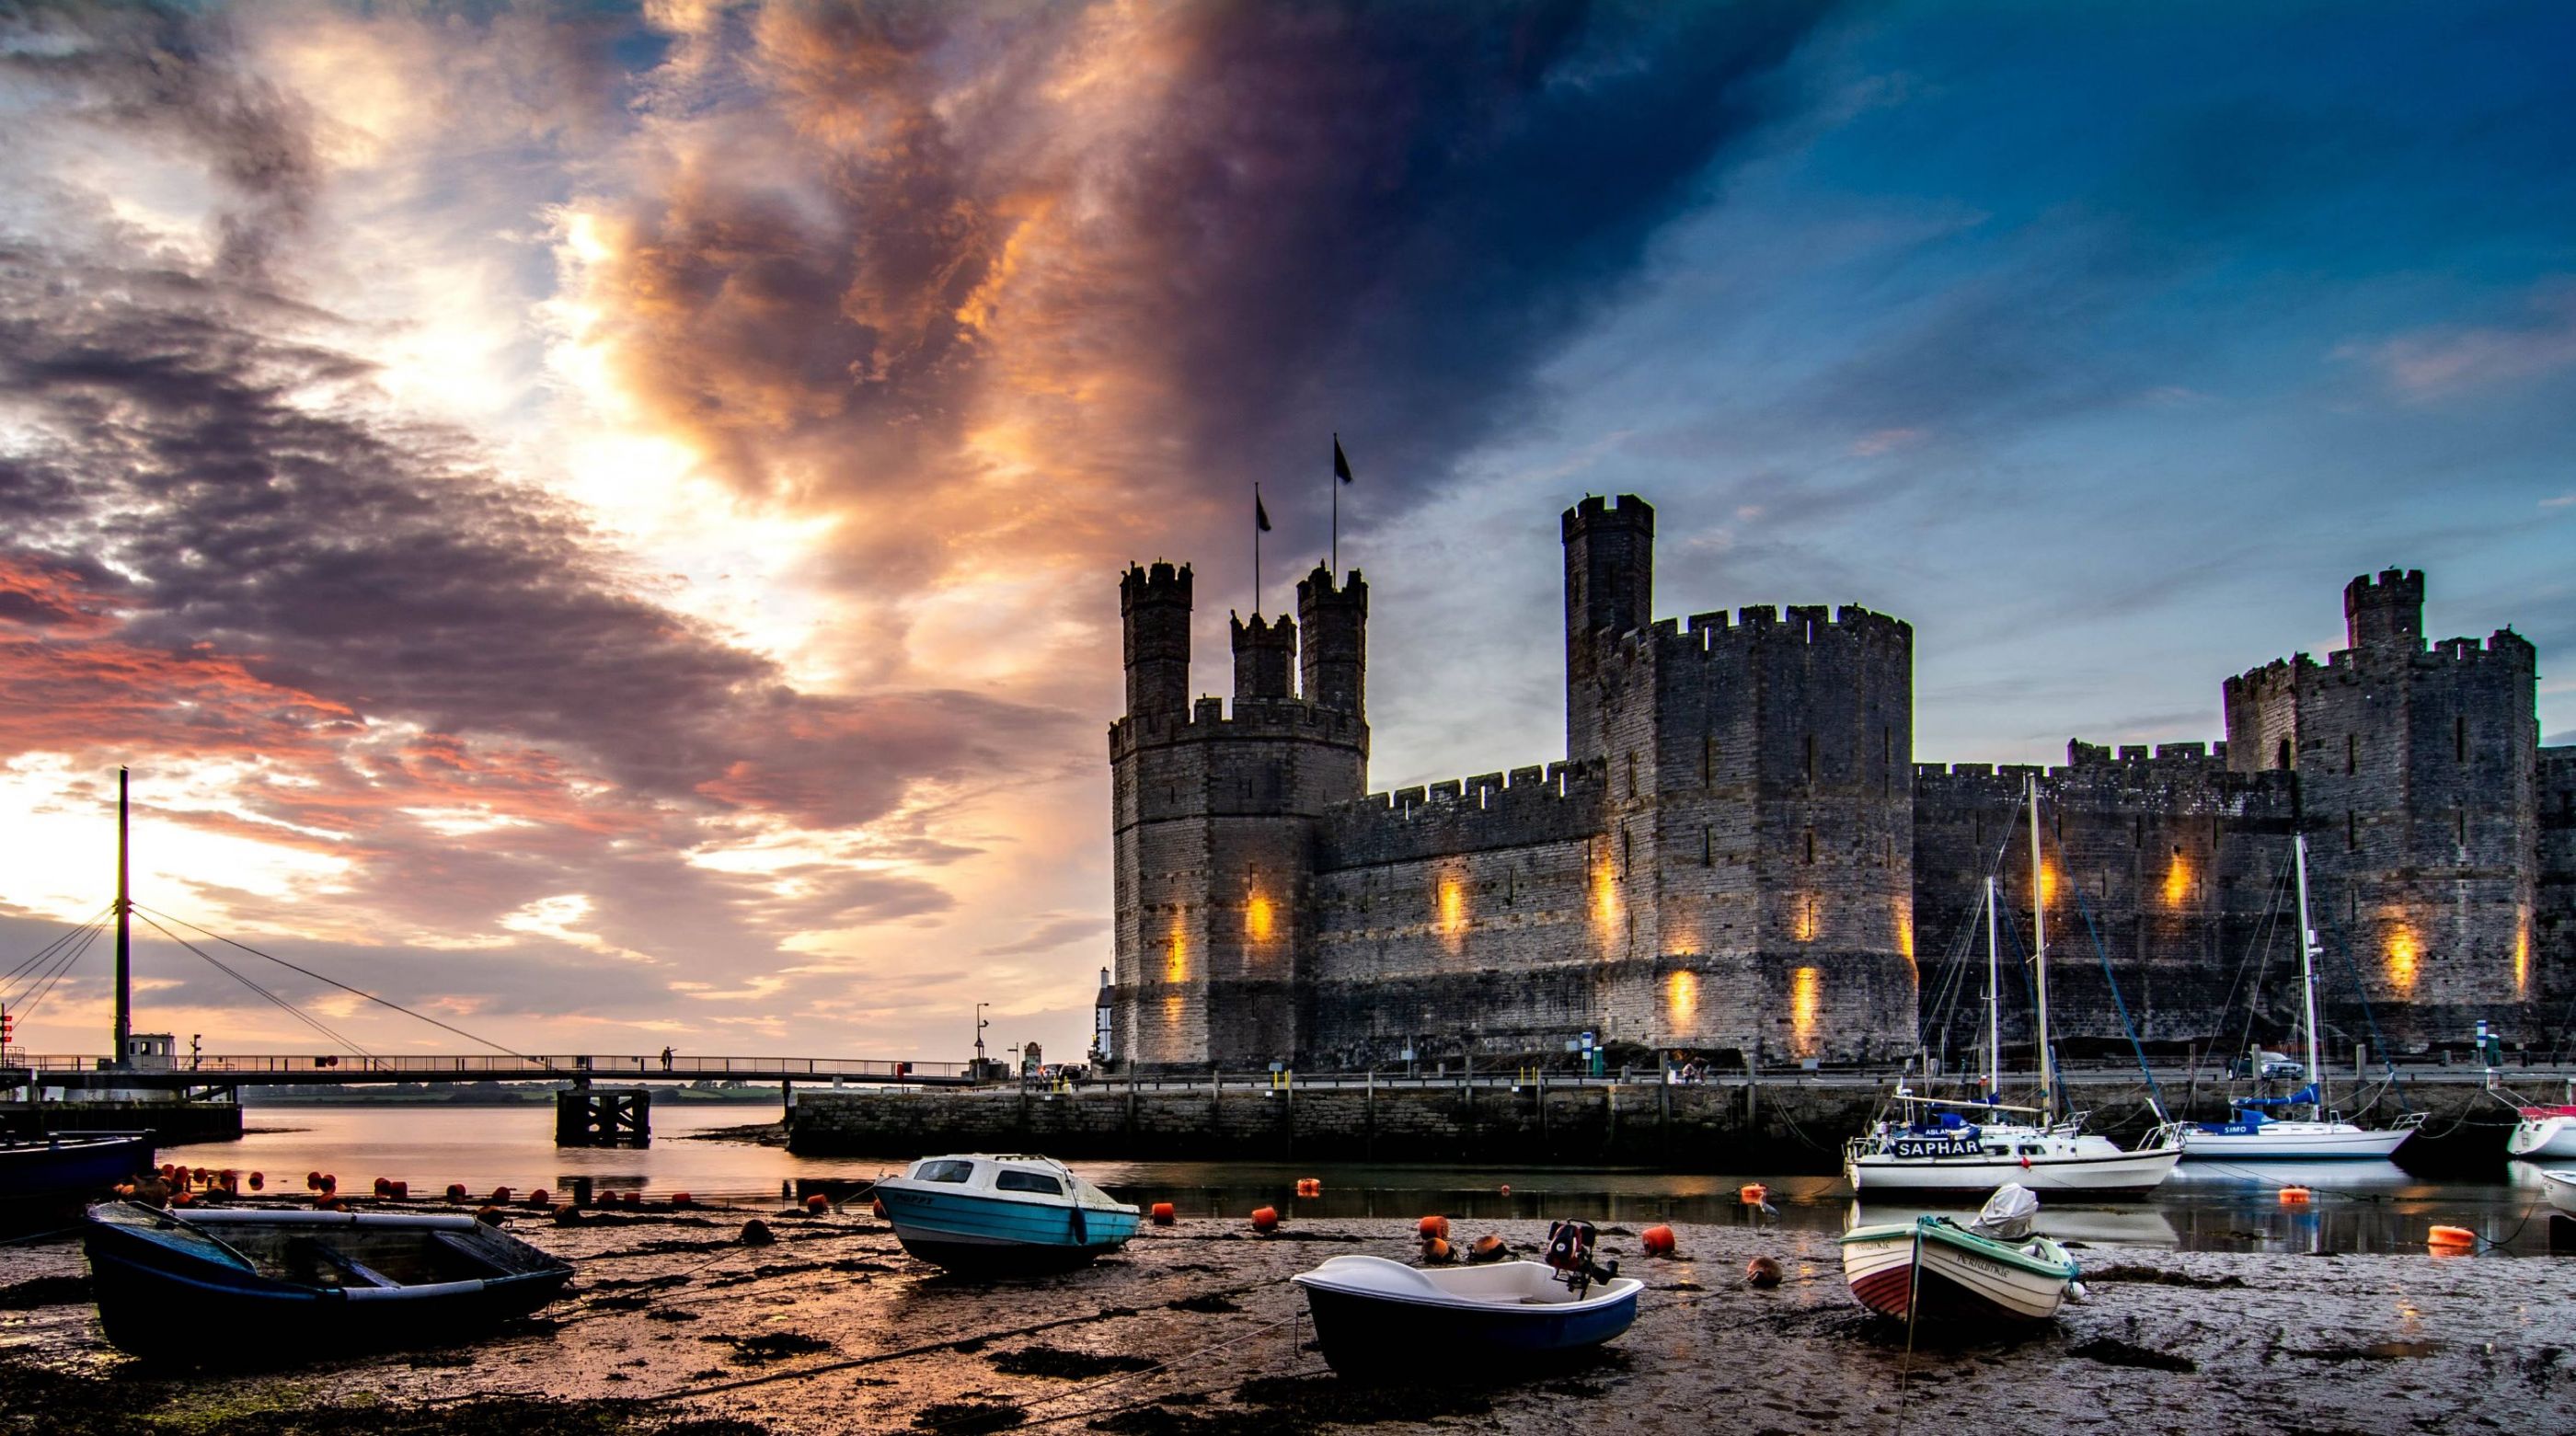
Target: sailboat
{"points": [[1933, 1145], [2252, 1133]]}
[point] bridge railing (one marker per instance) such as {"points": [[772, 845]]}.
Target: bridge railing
{"points": [[587, 1064]]}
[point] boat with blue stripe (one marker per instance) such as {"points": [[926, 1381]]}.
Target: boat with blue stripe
{"points": [[987, 1213]]}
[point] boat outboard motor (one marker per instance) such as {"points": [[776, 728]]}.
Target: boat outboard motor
{"points": [[1569, 1253], [2008, 1214]]}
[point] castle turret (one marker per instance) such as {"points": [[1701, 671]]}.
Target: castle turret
{"points": [[1265, 658], [1336, 653], [1154, 605], [1609, 590], [2385, 613]]}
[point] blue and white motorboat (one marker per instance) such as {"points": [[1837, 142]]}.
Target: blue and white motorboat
{"points": [[259, 1285], [977, 1212], [1381, 1318], [68, 1169]]}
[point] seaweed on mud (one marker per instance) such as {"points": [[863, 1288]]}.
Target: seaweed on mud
{"points": [[2161, 1277], [1211, 1303], [1066, 1365], [638, 1283], [45, 1291], [2111, 1351], [968, 1417], [2371, 1351], [1295, 1406], [670, 1313], [769, 1346]]}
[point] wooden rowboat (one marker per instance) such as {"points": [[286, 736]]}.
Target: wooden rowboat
{"points": [[265, 1286], [1933, 1269], [1375, 1317]]}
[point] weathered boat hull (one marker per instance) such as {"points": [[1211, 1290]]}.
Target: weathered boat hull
{"points": [[1420, 1335], [1962, 1280], [179, 1300]]}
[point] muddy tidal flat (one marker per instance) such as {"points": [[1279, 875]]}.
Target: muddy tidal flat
{"points": [[674, 1325]]}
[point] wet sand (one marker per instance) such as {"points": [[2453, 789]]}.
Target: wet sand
{"points": [[675, 1326]]}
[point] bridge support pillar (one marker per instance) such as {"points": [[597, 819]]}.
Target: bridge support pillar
{"points": [[588, 1116]]}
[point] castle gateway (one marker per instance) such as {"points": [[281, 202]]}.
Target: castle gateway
{"points": [[1740, 856]]}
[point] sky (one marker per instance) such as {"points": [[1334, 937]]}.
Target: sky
{"points": [[602, 524]]}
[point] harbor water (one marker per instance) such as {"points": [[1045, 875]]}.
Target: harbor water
{"points": [[2352, 1207]]}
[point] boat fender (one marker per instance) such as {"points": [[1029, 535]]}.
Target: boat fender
{"points": [[2294, 1196], [1265, 1219], [1488, 1248], [2075, 1291], [756, 1233], [1310, 1187], [2450, 1238], [489, 1216], [1762, 1272], [876, 1206], [1433, 1226], [1437, 1252], [1657, 1240], [1079, 1229], [817, 1204], [1162, 1213]]}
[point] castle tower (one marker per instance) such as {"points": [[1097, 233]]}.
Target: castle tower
{"points": [[1609, 591], [1265, 659], [2416, 787], [1212, 835], [1336, 652], [1154, 609]]}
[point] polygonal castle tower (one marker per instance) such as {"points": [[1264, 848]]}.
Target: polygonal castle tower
{"points": [[1212, 818], [2416, 772]]}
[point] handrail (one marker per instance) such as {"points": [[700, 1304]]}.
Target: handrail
{"points": [[565, 1065]]}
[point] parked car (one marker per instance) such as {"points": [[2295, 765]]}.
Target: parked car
{"points": [[2270, 1066]]}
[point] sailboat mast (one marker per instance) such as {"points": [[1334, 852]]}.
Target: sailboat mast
{"points": [[2308, 976], [124, 936], [2039, 958], [1994, 1002]]}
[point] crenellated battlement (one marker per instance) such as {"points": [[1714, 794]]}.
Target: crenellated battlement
{"points": [[1799, 623], [2095, 775], [1209, 721], [1556, 802]]}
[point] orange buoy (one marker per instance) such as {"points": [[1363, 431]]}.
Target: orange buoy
{"points": [[1762, 1271], [1430, 1227], [1310, 1187], [330, 1183], [1436, 1252], [489, 1216], [182, 1199], [1507, 1189], [500, 1196], [678, 1199], [2294, 1196], [1162, 1213], [2450, 1239], [1265, 1219], [876, 1206], [312, 1180], [817, 1204], [384, 1186], [635, 1201], [456, 1191], [1753, 1194], [539, 1197], [402, 1191], [1658, 1241], [1488, 1248], [258, 1181]]}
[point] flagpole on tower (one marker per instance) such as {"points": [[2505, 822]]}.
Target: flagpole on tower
{"points": [[1260, 521], [1341, 476]]}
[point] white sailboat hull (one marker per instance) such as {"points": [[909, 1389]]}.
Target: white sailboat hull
{"points": [[2111, 1173], [2543, 1137], [2295, 1141]]}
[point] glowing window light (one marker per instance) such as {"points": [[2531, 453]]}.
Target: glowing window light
{"points": [[2177, 881], [1681, 1003], [1806, 992], [1605, 896], [1905, 928], [1259, 918], [2047, 885], [1176, 957], [2522, 960], [2402, 953], [1453, 906]]}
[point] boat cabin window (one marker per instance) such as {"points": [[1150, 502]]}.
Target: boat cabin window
{"points": [[2027, 1150], [945, 1171], [1010, 1181]]}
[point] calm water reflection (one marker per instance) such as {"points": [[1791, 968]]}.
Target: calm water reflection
{"points": [[2356, 1206]]}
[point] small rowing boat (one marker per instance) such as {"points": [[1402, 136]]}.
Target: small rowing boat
{"points": [[1375, 1317], [1990, 1274], [68, 1169], [2561, 1185], [248, 1284], [975, 1212]]}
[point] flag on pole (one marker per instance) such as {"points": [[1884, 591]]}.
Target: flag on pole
{"points": [[1341, 465], [1260, 515]]}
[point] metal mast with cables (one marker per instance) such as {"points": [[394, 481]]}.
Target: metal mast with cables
{"points": [[124, 938]]}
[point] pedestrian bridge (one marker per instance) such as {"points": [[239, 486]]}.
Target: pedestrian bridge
{"points": [[183, 1072]]}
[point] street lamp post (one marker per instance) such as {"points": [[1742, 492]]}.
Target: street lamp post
{"points": [[980, 1025]]}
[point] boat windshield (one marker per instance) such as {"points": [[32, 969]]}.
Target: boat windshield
{"points": [[1010, 1179], [946, 1170]]}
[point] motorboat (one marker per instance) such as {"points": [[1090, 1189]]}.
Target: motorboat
{"points": [[2543, 1132], [1381, 1318], [70, 1168], [2252, 1134], [978, 1212], [1989, 1273], [232, 1284], [2562, 1189]]}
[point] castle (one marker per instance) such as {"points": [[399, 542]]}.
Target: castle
{"points": [[1740, 857]]}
